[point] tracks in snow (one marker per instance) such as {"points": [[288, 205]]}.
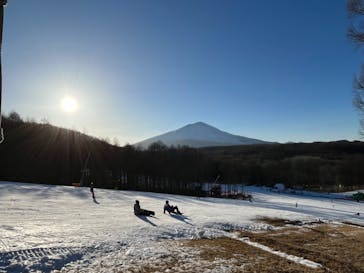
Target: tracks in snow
{"points": [[39, 259]]}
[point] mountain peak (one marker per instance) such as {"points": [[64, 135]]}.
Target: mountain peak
{"points": [[197, 124], [200, 123], [199, 134]]}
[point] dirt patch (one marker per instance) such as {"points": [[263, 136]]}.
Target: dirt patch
{"points": [[339, 248], [246, 258], [215, 256], [279, 222]]}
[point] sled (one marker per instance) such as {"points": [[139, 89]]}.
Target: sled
{"points": [[145, 212]]}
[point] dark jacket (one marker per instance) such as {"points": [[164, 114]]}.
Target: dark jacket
{"points": [[137, 209], [168, 208]]}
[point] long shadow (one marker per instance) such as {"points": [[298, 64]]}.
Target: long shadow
{"points": [[181, 218], [145, 219], [95, 201]]}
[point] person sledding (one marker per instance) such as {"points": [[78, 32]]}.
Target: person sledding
{"points": [[141, 212], [171, 209]]}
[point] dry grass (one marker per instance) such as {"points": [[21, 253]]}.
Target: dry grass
{"points": [[338, 248], [246, 258]]}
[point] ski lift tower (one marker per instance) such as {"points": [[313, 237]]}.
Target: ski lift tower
{"points": [[2, 3]]}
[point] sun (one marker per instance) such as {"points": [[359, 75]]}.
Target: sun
{"points": [[69, 104]]}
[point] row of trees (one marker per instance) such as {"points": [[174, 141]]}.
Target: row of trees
{"points": [[355, 34], [43, 153]]}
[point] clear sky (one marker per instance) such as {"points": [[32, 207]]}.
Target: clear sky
{"points": [[274, 70]]}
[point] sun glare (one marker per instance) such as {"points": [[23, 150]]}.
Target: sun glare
{"points": [[69, 104]]}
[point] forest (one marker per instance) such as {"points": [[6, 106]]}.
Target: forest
{"points": [[42, 153]]}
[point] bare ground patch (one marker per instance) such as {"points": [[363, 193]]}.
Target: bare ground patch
{"points": [[338, 248], [246, 258], [220, 255], [279, 222]]}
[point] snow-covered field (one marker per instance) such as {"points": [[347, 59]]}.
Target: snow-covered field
{"points": [[61, 229]]}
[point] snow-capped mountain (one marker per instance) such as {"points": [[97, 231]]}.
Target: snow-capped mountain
{"points": [[199, 134]]}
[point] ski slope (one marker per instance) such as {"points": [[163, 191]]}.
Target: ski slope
{"points": [[61, 229]]}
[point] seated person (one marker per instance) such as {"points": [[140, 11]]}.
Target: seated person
{"points": [[139, 211], [170, 209]]}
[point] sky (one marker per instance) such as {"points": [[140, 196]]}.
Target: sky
{"points": [[273, 70]]}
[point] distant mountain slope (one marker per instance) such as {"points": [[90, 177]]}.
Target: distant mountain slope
{"points": [[197, 135]]}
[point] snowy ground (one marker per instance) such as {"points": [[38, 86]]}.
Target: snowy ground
{"points": [[54, 228]]}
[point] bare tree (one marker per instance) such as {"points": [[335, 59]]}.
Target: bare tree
{"points": [[116, 142], [106, 139], [355, 9], [44, 121], [157, 146], [14, 116]]}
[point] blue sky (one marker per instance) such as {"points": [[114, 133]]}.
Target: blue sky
{"points": [[274, 70]]}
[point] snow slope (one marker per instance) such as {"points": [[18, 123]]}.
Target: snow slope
{"points": [[50, 228], [199, 134]]}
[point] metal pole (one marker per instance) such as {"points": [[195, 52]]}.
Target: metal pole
{"points": [[2, 3]]}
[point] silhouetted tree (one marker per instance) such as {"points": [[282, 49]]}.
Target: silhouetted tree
{"points": [[14, 116], [44, 153], [355, 33], [44, 121], [157, 146], [116, 141]]}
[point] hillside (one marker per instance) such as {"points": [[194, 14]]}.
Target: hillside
{"points": [[334, 166], [327, 150], [47, 154], [46, 228]]}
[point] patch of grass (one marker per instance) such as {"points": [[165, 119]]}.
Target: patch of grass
{"points": [[246, 258], [339, 248]]}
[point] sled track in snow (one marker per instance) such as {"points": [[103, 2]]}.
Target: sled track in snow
{"points": [[41, 259], [3, 245]]}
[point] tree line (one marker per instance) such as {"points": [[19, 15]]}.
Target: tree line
{"points": [[42, 153]]}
